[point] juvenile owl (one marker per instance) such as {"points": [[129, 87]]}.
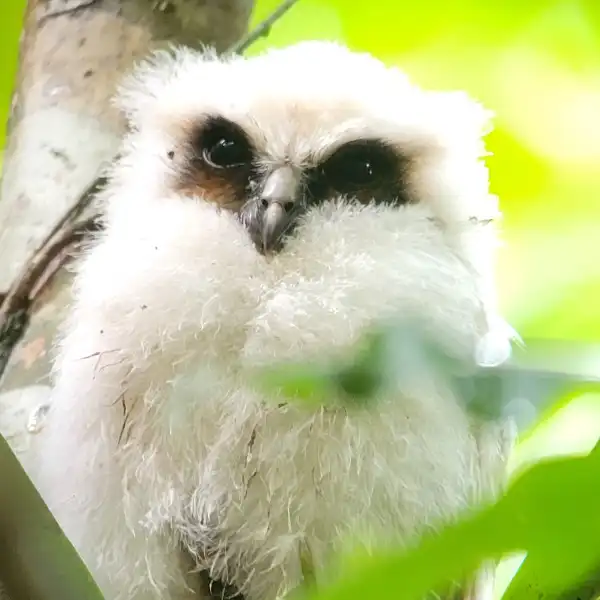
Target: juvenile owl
{"points": [[268, 209]]}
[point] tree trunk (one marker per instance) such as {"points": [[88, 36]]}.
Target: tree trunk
{"points": [[63, 128]]}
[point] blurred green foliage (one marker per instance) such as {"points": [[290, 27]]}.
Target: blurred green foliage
{"points": [[560, 539], [537, 65], [11, 15], [38, 562]]}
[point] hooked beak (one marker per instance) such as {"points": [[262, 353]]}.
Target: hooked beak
{"points": [[275, 221], [280, 205]]}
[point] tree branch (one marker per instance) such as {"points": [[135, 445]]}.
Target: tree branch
{"points": [[41, 267], [262, 29], [65, 10]]}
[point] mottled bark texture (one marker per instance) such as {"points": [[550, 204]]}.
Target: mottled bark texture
{"points": [[63, 128]]}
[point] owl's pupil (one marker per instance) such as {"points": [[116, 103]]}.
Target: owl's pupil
{"points": [[227, 153], [353, 171], [359, 165], [364, 171], [224, 145]]}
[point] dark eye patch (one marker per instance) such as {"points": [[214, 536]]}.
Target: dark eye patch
{"points": [[219, 162], [369, 170], [222, 144], [358, 165]]}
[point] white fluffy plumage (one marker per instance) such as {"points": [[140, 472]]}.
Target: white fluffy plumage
{"points": [[156, 441]]}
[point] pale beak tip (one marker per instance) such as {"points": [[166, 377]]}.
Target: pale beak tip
{"points": [[274, 219]]}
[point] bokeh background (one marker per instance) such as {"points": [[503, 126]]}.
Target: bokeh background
{"points": [[536, 64]]}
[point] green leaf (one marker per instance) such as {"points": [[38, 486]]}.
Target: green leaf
{"points": [[550, 512], [384, 353], [306, 382], [397, 352], [38, 562]]}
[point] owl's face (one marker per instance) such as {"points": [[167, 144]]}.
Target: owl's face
{"points": [[272, 191], [344, 190], [273, 136]]}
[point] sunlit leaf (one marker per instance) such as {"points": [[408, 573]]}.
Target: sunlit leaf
{"points": [[38, 562], [398, 352], [550, 512]]}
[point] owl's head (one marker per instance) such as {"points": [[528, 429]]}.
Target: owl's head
{"points": [[323, 165]]}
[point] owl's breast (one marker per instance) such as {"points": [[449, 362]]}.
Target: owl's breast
{"points": [[282, 477]]}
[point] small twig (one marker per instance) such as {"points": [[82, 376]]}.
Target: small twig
{"points": [[67, 10], [63, 233], [262, 29], [40, 268], [61, 249], [11, 331]]}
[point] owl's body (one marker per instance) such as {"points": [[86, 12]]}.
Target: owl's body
{"points": [[159, 453]]}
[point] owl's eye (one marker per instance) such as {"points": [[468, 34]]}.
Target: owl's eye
{"points": [[225, 145], [359, 165]]}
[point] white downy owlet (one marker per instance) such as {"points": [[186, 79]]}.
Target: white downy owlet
{"points": [[268, 209]]}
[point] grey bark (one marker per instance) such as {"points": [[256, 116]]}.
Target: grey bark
{"points": [[62, 129]]}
